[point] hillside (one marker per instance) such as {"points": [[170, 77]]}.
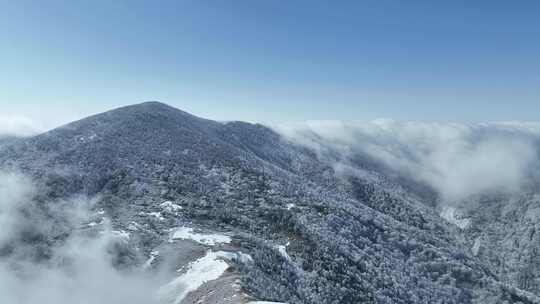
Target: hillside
{"points": [[271, 219]]}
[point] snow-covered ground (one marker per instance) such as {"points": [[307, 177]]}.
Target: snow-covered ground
{"points": [[187, 233], [239, 256], [133, 226], [451, 215], [209, 267], [121, 234], [476, 246], [283, 251], [151, 259], [170, 207], [157, 215]]}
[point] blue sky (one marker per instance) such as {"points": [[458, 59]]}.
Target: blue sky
{"points": [[273, 61]]}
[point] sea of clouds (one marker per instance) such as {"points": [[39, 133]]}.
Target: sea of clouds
{"points": [[456, 160]]}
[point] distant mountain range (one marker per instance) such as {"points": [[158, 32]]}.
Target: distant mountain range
{"points": [[273, 219]]}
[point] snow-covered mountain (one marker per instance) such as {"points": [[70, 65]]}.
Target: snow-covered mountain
{"points": [[234, 212]]}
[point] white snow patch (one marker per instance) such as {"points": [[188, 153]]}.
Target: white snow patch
{"points": [[90, 138], [244, 257], [170, 207], [239, 256], [187, 233], [290, 206], [476, 246], [151, 259], [157, 215], [283, 251], [94, 223], [121, 234], [133, 226], [451, 215], [208, 268]]}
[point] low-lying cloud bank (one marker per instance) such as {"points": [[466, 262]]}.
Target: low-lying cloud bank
{"points": [[49, 255], [457, 160], [13, 125]]}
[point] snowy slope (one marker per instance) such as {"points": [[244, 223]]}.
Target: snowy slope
{"points": [[243, 212]]}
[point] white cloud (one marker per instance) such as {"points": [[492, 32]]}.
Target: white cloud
{"points": [[457, 160], [78, 270], [15, 190], [14, 125]]}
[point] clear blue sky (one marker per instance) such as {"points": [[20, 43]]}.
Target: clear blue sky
{"points": [[274, 61]]}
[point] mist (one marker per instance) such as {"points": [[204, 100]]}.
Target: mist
{"points": [[49, 255], [456, 160], [19, 126]]}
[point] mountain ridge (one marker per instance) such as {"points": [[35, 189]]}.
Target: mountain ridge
{"points": [[350, 239]]}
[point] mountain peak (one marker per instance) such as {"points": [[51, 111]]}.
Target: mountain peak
{"points": [[149, 107], [150, 113], [151, 104]]}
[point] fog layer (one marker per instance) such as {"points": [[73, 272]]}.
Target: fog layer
{"points": [[14, 125], [457, 160], [49, 255]]}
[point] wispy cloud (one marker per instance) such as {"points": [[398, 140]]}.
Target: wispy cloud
{"points": [[15, 125], [457, 160], [79, 269]]}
